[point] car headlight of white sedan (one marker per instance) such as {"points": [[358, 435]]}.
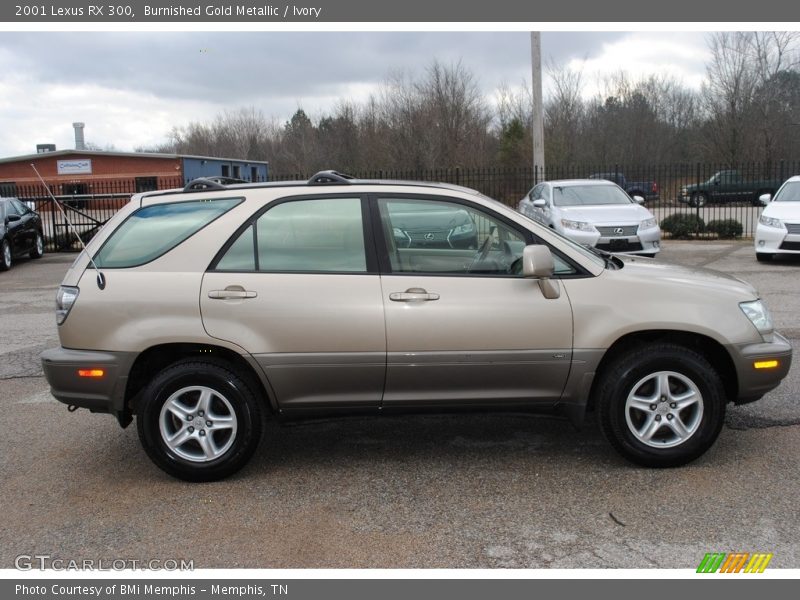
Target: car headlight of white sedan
{"points": [[648, 223], [771, 222], [577, 225]]}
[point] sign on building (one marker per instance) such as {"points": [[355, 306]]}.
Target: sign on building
{"points": [[82, 166]]}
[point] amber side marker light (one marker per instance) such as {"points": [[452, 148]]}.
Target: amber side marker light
{"points": [[765, 364], [91, 372]]}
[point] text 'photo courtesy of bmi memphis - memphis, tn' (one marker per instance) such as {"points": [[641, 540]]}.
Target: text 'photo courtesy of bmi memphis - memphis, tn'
{"points": [[337, 295]]}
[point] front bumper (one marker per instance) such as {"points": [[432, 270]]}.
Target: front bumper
{"points": [[753, 382], [644, 241], [773, 240], [104, 394]]}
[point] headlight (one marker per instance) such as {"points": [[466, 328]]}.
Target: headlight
{"points": [[759, 316], [462, 229], [683, 191], [578, 225], [770, 222], [65, 299], [648, 223]]}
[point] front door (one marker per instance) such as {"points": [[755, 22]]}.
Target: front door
{"points": [[462, 325]]}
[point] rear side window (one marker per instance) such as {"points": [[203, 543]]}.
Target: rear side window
{"points": [[323, 235], [155, 230]]}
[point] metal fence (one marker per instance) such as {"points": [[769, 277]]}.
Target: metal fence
{"points": [[710, 192], [87, 206]]}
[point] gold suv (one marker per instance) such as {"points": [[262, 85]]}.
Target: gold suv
{"points": [[206, 310]]}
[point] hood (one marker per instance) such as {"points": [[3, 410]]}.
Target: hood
{"points": [[611, 214], [785, 211], [695, 277]]}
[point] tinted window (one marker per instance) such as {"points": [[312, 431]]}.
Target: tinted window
{"points": [[152, 231], [321, 235], [426, 236], [11, 209]]}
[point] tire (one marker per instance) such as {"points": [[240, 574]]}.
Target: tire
{"points": [[38, 246], [626, 395], [5, 256], [698, 199], [199, 389], [764, 256]]}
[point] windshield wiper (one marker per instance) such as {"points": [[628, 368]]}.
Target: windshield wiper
{"points": [[610, 259]]}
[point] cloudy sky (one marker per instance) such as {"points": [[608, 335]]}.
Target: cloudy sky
{"points": [[131, 88]]}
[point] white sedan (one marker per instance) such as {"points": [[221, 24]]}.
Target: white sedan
{"points": [[778, 230], [595, 213]]}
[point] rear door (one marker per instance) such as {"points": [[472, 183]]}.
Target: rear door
{"points": [[462, 326], [298, 289]]}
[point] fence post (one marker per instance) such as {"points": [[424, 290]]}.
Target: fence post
{"points": [[697, 207]]}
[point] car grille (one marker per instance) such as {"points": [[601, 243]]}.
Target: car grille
{"points": [[627, 230], [793, 228], [430, 236], [790, 246]]}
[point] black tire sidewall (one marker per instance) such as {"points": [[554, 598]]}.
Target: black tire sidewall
{"points": [[694, 367], [227, 383], [35, 250], [5, 266]]}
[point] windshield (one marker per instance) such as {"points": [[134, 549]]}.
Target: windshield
{"points": [[790, 192], [589, 195]]}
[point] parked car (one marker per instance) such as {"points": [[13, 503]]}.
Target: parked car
{"points": [[644, 189], [21, 232], [212, 310], [728, 186], [594, 212], [778, 229]]}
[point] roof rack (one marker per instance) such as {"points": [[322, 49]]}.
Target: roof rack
{"points": [[328, 177], [203, 183]]}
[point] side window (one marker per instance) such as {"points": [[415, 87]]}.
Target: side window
{"points": [[536, 192], [154, 230], [433, 236], [319, 235], [11, 209]]}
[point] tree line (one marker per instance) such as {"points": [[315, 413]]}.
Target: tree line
{"points": [[747, 109]]}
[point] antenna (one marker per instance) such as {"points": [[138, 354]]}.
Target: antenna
{"points": [[101, 279]]}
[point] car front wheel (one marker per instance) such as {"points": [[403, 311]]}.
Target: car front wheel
{"points": [[199, 420], [661, 405], [698, 199]]}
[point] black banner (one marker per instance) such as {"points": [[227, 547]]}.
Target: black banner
{"points": [[415, 11]]}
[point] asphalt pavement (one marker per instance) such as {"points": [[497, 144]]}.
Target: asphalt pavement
{"points": [[449, 491]]}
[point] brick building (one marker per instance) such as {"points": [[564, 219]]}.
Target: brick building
{"points": [[89, 172]]}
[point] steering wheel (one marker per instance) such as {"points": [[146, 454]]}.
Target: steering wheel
{"points": [[481, 253]]}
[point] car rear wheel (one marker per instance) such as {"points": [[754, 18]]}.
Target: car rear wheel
{"points": [[199, 420], [5, 256], [38, 246], [661, 405], [764, 256]]}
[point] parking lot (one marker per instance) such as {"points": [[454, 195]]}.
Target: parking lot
{"points": [[450, 491]]}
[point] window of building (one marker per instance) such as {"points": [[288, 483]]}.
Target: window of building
{"points": [[146, 184]]}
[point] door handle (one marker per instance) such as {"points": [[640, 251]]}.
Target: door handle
{"points": [[232, 292], [413, 295]]}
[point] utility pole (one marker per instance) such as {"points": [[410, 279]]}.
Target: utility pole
{"points": [[537, 126]]}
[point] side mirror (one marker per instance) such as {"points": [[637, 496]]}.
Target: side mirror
{"points": [[765, 198], [715, 181], [539, 203], [638, 199], [537, 263], [13, 218]]}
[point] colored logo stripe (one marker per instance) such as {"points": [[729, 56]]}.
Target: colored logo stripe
{"points": [[734, 563], [758, 563]]}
